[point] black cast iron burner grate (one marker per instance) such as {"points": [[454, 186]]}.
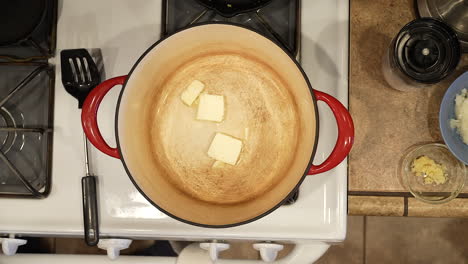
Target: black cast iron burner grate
{"points": [[26, 100], [279, 19]]}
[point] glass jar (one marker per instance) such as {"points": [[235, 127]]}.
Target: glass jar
{"points": [[424, 52]]}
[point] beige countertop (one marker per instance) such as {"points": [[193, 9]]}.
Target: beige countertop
{"points": [[388, 121]]}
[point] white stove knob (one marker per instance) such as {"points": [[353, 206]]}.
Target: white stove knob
{"points": [[214, 248], [114, 246], [10, 245], [268, 251]]}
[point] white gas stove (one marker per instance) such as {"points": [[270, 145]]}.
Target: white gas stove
{"points": [[123, 30]]}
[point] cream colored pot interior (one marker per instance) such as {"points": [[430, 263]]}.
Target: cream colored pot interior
{"points": [[268, 106]]}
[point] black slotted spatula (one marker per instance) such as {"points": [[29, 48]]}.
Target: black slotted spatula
{"points": [[79, 76], [79, 73]]}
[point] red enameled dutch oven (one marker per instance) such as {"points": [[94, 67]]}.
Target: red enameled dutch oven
{"points": [[269, 105]]}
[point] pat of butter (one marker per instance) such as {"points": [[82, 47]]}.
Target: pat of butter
{"points": [[211, 108], [218, 164], [225, 148], [192, 92]]}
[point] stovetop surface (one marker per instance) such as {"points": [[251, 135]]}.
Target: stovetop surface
{"points": [[318, 214]]}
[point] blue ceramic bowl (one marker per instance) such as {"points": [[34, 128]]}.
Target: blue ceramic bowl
{"points": [[451, 137]]}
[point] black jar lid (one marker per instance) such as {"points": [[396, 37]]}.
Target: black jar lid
{"points": [[426, 50]]}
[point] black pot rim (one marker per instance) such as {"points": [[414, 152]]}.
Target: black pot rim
{"points": [[314, 102]]}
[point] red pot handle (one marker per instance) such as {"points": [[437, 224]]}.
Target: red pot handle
{"points": [[89, 115], [345, 134]]}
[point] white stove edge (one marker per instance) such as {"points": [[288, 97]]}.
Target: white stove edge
{"points": [[30, 217], [190, 254]]}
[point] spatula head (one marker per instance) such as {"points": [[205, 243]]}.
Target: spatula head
{"points": [[79, 73]]}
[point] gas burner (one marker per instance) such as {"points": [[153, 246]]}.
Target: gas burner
{"points": [[26, 98], [278, 19], [7, 130]]}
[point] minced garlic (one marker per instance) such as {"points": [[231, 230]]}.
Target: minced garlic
{"points": [[432, 172]]}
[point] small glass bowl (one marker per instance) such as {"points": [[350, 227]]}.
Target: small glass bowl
{"points": [[433, 193]]}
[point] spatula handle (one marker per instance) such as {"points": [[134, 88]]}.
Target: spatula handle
{"points": [[90, 210]]}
